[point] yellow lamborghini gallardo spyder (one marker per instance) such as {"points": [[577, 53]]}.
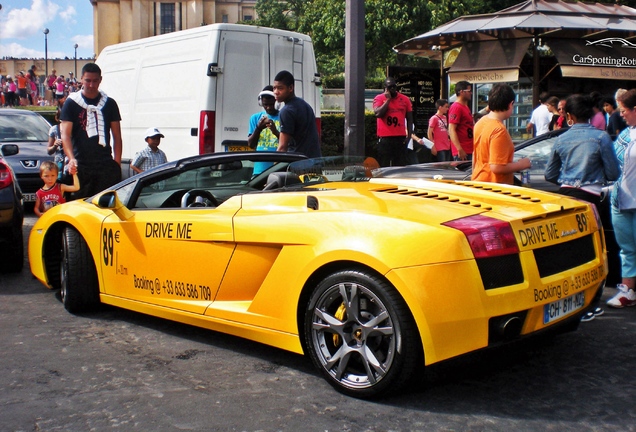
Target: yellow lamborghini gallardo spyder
{"points": [[373, 278]]}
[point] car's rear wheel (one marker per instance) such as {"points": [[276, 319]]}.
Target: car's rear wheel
{"points": [[361, 335], [79, 289]]}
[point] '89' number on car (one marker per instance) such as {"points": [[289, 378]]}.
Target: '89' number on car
{"points": [[108, 242], [581, 220]]}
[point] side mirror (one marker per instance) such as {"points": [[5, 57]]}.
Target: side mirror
{"points": [[9, 149], [109, 200]]}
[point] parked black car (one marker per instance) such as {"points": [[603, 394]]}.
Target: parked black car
{"points": [[538, 149], [11, 214], [30, 131]]}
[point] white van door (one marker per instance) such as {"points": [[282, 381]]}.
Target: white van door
{"points": [[244, 63], [296, 54], [170, 91]]}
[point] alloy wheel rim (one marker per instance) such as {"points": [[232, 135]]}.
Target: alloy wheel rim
{"points": [[353, 335]]}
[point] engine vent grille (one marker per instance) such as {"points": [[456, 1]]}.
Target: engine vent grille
{"points": [[501, 189], [432, 195], [500, 271], [563, 256]]}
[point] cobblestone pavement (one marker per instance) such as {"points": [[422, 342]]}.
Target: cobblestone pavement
{"points": [[118, 370]]}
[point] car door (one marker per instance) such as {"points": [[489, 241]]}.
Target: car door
{"points": [[165, 254], [173, 258]]}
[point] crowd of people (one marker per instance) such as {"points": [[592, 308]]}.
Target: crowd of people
{"points": [[27, 88], [452, 127], [590, 158]]}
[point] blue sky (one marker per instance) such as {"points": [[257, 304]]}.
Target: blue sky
{"points": [[69, 22]]}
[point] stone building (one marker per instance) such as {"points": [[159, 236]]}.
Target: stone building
{"points": [[116, 21]]}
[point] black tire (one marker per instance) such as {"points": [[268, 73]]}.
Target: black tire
{"points": [[79, 289], [361, 335], [53, 260]]}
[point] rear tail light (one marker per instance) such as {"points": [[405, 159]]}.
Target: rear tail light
{"points": [[486, 236], [599, 224], [597, 217], [5, 176], [319, 127], [207, 124]]}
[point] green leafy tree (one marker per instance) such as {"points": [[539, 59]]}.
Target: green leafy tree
{"points": [[272, 13], [387, 23], [284, 15], [443, 11]]}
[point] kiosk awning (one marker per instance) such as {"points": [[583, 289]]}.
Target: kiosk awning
{"points": [[609, 58], [532, 18], [489, 61]]}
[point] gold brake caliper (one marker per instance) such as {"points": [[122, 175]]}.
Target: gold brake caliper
{"points": [[340, 314]]}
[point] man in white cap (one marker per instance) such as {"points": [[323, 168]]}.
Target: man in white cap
{"points": [[151, 156], [263, 131]]}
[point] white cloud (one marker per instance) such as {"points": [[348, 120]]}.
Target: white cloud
{"points": [[23, 23], [21, 28], [83, 41], [68, 15], [18, 51]]}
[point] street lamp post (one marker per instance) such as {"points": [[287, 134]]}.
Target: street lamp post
{"points": [[75, 46], [46, 54]]}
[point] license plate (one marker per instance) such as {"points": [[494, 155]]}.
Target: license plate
{"points": [[563, 307], [238, 148], [28, 197]]}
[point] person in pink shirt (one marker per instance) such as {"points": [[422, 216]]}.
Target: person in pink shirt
{"points": [[438, 132], [50, 80], [12, 92], [60, 88], [598, 119]]}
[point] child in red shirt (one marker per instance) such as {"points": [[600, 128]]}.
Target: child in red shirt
{"points": [[52, 193]]}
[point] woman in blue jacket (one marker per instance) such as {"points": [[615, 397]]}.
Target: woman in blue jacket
{"points": [[583, 161]]}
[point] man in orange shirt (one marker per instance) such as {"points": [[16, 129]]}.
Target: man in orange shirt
{"points": [[494, 149], [22, 88]]}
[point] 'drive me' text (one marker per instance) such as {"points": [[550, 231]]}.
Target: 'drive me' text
{"points": [[168, 230]]}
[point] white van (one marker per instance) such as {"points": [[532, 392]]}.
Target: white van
{"points": [[200, 86]]}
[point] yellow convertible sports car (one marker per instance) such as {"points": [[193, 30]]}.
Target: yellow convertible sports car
{"points": [[373, 278]]}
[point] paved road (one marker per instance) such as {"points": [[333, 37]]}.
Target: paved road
{"points": [[118, 370]]}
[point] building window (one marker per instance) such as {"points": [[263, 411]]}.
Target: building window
{"points": [[167, 18], [224, 18], [248, 17]]}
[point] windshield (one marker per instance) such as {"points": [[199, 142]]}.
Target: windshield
{"points": [[23, 128], [209, 182], [222, 180]]}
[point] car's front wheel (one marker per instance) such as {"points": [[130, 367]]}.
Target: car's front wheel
{"points": [[78, 277], [361, 335]]}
